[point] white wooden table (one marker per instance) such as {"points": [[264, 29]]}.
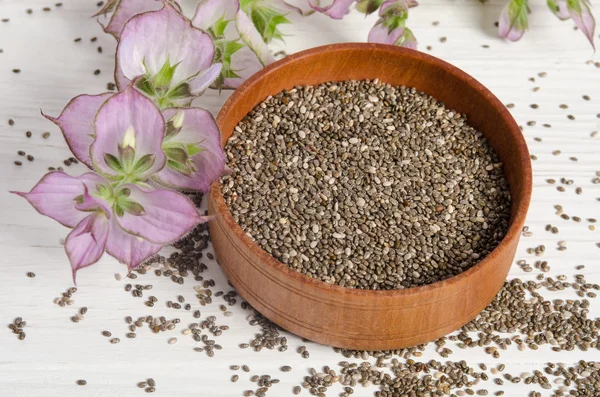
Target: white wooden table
{"points": [[54, 68]]}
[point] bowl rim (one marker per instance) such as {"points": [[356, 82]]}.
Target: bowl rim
{"points": [[516, 222]]}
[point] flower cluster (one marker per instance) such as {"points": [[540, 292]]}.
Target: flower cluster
{"points": [[142, 144]]}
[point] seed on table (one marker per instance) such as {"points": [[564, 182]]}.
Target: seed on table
{"points": [[97, 72], [115, 341], [150, 390], [82, 382], [141, 385], [21, 153], [151, 382], [235, 378], [18, 163], [28, 134], [16, 70], [297, 390], [31, 274], [586, 97], [245, 368], [172, 341], [286, 368], [106, 333], [46, 135]]}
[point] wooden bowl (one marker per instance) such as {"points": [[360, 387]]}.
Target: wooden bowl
{"points": [[367, 319]]}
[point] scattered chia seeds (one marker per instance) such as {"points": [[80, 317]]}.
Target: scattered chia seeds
{"points": [[350, 189]]}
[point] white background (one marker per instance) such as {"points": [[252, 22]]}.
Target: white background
{"points": [[57, 352]]}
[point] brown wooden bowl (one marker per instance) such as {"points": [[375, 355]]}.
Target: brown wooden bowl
{"points": [[368, 319]]}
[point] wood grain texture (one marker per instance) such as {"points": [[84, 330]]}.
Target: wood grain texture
{"points": [[364, 319]]}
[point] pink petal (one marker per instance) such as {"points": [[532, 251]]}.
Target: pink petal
{"points": [[198, 127], [168, 215], [77, 123], [508, 25], [85, 244], [127, 9], [302, 7], [91, 203], [201, 82], [335, 10], [55, 193], [210, 11], [253, 38], [244, 63], [126, 111], [583, 18], [381, 34], [150, 39], [127, 248]]}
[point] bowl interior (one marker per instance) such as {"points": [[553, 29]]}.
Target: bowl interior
{"points": [[396, 66]]}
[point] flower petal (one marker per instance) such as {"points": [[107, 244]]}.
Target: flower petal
{"points": [[200, 128], [85, 244], [582, 16], [55, 193], [513, 20], [209, 12], [127, 248], [244, 63], [77, 123], [128, 119], [167, 215], [126, 9], [253, 39], [150, 39], [201, 82], [381, 34], [335, 10]]}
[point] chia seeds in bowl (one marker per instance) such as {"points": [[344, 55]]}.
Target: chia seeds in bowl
{"points": [[366, 185]]}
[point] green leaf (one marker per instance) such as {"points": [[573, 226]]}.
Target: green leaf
{"points": [[78, 199], [368, 6], [231, 47], [145, 86], [113, 162], [132, 207], [171, 130], [271, 30], [177, 154], [181, 91], [119, 211], [266, 20], [165, 75], [179, 167], [193, 149], [220, 26], [127, 155], [144, 164]]}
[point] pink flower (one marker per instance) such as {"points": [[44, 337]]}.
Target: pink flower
{"points": [[184, 152], [129, 222], [171, 60], [116, 210]]}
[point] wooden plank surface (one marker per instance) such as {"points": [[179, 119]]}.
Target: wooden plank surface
{"points": [[54, 68]]}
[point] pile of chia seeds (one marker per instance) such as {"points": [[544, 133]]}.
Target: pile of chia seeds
{"points": [[366, 185]]}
